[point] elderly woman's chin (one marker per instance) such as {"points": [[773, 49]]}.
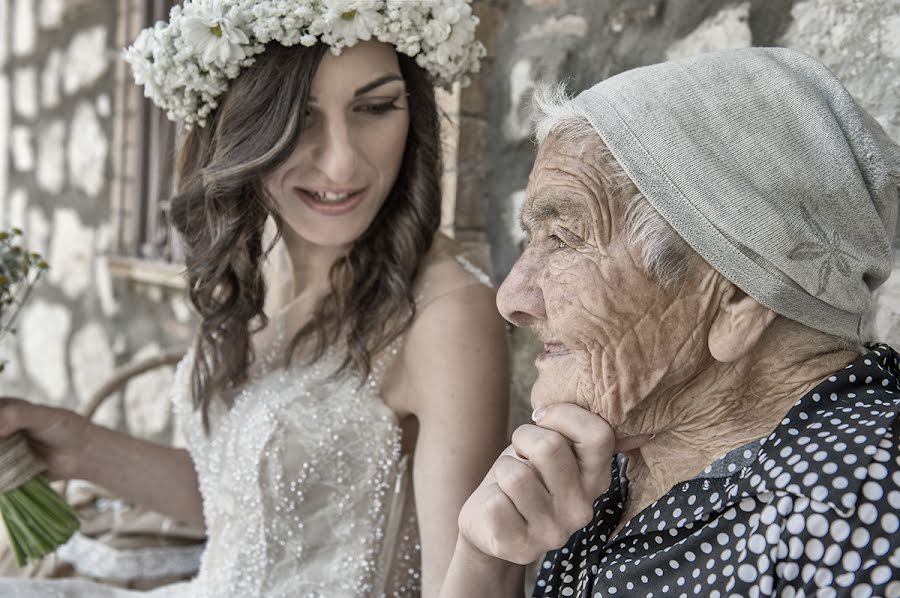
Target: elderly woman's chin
{"points": [[562, 380]]}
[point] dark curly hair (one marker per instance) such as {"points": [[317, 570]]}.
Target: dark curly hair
{"points": [[221, 207]]}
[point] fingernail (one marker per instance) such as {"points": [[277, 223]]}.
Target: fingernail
{"points": [[538, 413]]}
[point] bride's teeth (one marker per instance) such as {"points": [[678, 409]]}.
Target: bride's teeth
{"points": [[331, 197]]}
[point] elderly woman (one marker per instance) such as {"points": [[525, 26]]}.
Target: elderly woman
{"points": [[705, 237]]}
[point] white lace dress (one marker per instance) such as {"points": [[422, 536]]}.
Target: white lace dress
{"points": [[305, 491]]}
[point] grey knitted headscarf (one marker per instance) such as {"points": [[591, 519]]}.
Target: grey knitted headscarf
{"points": [[766, 166]]}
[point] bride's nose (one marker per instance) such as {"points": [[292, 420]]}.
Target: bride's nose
{"points": [[335, 154]]}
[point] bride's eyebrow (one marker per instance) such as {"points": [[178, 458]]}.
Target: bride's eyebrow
{"points": [[383, 80], [377, 83]]}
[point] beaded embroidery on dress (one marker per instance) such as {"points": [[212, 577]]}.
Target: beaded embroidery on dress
{"points": [[300, 478]]}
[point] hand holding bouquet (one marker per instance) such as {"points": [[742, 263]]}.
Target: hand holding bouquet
{"points": [[36, 517]]}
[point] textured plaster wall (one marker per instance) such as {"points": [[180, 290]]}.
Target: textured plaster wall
{"points": [[56, 97], [586, 41]]}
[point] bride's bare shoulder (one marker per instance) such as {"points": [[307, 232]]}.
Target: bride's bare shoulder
{"points": [[449, 266], [456, 334]]}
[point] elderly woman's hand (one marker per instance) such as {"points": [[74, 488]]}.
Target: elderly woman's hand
{"points": [[542, 488]]}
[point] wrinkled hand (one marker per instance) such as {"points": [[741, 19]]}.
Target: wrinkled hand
{"points": [[58, 436], [542, 488]]}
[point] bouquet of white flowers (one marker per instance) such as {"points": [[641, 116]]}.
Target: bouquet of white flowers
{"points": [[37, 518]]}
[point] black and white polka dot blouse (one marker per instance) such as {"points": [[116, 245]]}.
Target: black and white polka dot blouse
{"points": [[811, 510]]}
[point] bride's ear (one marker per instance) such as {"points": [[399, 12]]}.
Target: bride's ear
{"points": [[739, 323]]}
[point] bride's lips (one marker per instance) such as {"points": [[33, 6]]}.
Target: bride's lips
{"points": [[552, 349], [331, 209]]}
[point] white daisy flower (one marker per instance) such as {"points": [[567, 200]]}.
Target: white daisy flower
{"points": [[209, 34], [344, 22]]}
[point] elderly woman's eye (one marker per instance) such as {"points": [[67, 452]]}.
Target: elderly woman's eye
{"points": [[558, 242]]}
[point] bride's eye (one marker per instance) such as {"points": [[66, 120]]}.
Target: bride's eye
{"points": [[379, 107]]}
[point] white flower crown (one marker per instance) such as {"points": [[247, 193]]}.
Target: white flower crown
{"points": [[185, 65]]}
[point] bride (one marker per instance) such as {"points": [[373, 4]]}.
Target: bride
{"points": [[347, 389]]}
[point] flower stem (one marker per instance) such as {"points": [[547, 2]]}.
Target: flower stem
{"points": [[37, 519]]}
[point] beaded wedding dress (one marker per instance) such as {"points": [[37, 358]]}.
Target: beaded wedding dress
{"points": [[305, 489]]}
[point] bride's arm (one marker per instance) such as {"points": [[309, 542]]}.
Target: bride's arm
{"points": [[455, 368], [158, 477]]}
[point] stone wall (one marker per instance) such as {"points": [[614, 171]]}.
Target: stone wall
{"points": [[586, 41], [56, 101]]}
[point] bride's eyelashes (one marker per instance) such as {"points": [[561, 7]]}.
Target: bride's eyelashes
{"points": [[382, 107], [371, 108]]}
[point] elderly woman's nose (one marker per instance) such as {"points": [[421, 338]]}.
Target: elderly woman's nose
{"points": [[520, 299], [336, 155]]}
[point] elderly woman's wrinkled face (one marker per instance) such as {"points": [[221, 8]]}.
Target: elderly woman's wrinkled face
{"points": [[611, 335]]}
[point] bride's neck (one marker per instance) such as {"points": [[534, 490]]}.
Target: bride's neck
{"points": [[311, 264]]}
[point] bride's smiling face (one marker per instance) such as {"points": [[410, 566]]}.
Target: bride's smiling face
{"points": [[347, 158]]}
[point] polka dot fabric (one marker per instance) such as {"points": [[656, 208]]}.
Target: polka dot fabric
{"points": [[811, 510]]}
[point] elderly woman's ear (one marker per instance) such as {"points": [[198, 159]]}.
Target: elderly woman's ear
{"points": [[737, 325]]}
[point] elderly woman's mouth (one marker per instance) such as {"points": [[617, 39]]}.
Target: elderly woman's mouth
{"points": [[552, 349]]}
